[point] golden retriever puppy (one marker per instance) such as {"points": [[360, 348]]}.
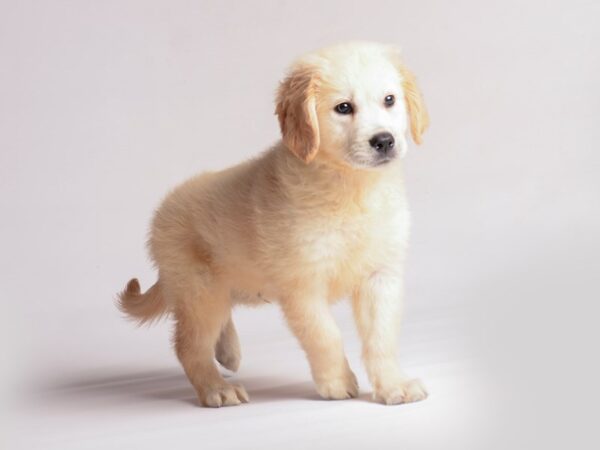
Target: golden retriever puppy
{"points": [[320, 216]]}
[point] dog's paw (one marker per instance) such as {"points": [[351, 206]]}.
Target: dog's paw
{"points": [[340, 388], [222, 395], [402, 391]]}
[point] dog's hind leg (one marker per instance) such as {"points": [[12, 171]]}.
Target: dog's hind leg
{"points": [[227, 350], [202, 308]]}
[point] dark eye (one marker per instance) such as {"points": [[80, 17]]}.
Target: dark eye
{"points": [[389, 100], [344, 108]]}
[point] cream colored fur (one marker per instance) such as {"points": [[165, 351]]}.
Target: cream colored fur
{"points": [[312, 220]]}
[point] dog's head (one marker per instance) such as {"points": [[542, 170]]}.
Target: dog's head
{"points": [[351, 103]]}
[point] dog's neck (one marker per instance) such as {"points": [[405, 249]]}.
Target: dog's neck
{"points": [[334, 181]]}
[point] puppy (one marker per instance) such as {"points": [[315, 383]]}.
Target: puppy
{"points": [[320, 216]]}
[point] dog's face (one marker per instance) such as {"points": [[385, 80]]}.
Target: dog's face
{"points": [[351, 104]]}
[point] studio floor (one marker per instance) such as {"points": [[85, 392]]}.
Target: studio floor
{"points": [[145, 400]]}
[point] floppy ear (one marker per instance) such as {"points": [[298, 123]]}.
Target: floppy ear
{"points": [[297, 112], [417, 113]]}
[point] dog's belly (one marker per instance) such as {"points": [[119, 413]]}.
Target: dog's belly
{"points": [[332, 261]]}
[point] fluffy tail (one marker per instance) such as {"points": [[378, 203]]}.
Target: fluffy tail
{"points": [[143, 308]]}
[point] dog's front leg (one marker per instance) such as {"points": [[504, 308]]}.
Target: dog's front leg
{"points": [[377, 304], [311, 321]]}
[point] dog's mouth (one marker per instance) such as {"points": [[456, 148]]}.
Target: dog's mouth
{"points": [[383, 162], [384, 159], [371, 160]]}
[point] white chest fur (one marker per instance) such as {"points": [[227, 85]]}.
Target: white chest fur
{"points": [[342, 238]]}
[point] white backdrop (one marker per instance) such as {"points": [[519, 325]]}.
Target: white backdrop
{"points": [[106, 105]]}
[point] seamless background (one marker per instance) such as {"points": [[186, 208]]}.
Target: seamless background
{"points": [[104, 106]]}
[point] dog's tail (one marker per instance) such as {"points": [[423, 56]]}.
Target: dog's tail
{"points": [[143, 308]]}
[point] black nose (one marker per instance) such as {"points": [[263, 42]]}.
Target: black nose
{"points": [[382, 142]]}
